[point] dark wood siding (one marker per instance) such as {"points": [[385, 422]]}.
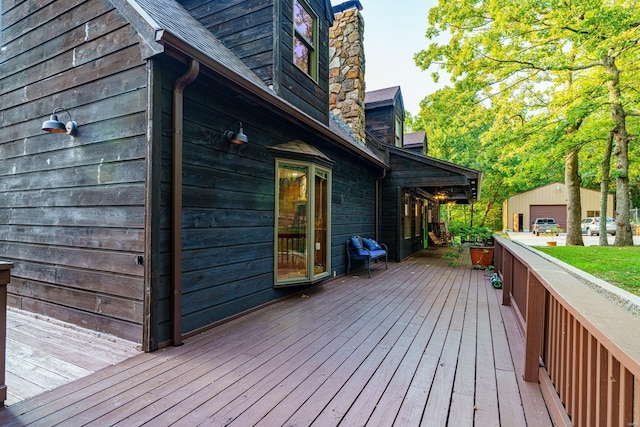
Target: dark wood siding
{"points": [[353, 208], [390, 220], [246, 27], [292, 83], [72, 209], [229, 202], [380, 122], [260, 33], [404, 178]]}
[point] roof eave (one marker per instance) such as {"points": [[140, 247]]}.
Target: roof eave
{"points": [[172, 42]]}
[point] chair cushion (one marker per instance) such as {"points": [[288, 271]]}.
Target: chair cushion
{"points": [[367, 253], [371, 244], [356, 242]]}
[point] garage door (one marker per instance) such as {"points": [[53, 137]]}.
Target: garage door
{"points": [[557, 212]]}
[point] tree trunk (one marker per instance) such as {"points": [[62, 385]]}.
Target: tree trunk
{"points": [[487, 209], [604, 190], [574, 206], [624, 237]]}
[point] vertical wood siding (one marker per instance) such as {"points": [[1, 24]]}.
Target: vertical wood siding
{"points": [[229, 203], [72, 209]]}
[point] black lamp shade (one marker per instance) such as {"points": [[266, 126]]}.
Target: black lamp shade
{"points": [[53, 125]]}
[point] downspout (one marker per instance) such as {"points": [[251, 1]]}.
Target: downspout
{"points": [[377, 215], [176, 209]]}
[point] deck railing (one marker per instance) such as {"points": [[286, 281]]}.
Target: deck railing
{"points": [[5, 275], [583, 348]]}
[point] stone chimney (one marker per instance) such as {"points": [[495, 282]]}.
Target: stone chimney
{"points": [[346, 67]]}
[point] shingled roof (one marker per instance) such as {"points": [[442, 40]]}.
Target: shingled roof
{"points": [[414, 138], [383, 97], [169, 16], [165, 24]]}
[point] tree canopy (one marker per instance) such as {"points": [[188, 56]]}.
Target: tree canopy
{"points": [[536, 86]]}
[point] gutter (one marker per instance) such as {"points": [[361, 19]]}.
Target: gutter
{"points": [[263, 94], [176, 199]]}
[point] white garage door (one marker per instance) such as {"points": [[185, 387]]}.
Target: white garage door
{"points": [[557, 212]]}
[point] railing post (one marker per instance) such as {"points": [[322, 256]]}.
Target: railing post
{"points": [[534, 328], [507, 277], [5, 275]]}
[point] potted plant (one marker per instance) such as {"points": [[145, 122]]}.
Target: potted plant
{"points": [[481, 246], [554, 232]]}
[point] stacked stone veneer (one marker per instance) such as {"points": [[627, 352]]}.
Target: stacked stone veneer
{"points": [[346, 71]]}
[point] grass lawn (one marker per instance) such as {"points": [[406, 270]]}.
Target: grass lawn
{"points": [[619, 266]]}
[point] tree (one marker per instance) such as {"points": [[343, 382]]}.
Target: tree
{"points": [[454, 122], [524, 53]]}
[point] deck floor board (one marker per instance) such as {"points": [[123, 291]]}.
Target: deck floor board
{"points": [[422, 343]]}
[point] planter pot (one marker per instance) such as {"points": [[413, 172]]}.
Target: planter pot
{"points": [[552, 243], [481, 257]]}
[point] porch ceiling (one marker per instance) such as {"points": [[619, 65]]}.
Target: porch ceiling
{"points": [[430, 175]]}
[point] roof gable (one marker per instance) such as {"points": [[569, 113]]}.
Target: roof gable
{"points": [[168, 16], [166, 25], [386, 97], [415, 138]]}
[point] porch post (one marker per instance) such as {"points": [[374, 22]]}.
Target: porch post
{"points": [[534, 328], [5, 274]]}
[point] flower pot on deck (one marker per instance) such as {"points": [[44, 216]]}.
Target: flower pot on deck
{"points": [[552, 243], [481, 256]]}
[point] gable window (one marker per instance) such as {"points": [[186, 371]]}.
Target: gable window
{"points": [[303, 212], [305, 38]]}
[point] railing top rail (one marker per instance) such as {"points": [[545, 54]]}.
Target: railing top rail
{"points": [[614, 327]]}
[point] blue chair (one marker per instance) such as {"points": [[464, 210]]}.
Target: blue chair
{"points": [[368, 250]]}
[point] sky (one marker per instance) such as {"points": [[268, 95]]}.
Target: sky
{"points": [[393, 32]]}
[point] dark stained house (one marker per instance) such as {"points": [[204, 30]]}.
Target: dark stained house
{"points": [[151, 223], [416, 185]]}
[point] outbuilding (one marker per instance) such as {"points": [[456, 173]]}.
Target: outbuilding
{"points": [[549, 201]]}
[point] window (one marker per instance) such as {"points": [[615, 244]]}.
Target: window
{"points": [[305, 38], [303, 212], [398, 134], [407, 216]]}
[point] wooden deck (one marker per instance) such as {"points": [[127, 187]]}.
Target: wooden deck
{"points": [[420, 344], [43, 354]]}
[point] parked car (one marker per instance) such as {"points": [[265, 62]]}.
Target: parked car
{"points": [[591, 226], [544, 225]]}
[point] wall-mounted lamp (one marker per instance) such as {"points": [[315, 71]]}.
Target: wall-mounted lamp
{"points": [[53, 125], [236, 137]]}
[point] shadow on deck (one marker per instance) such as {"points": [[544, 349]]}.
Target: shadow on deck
{"points": [[421, 343]]}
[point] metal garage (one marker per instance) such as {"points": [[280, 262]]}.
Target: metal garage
{"points": [[548, 201]]}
